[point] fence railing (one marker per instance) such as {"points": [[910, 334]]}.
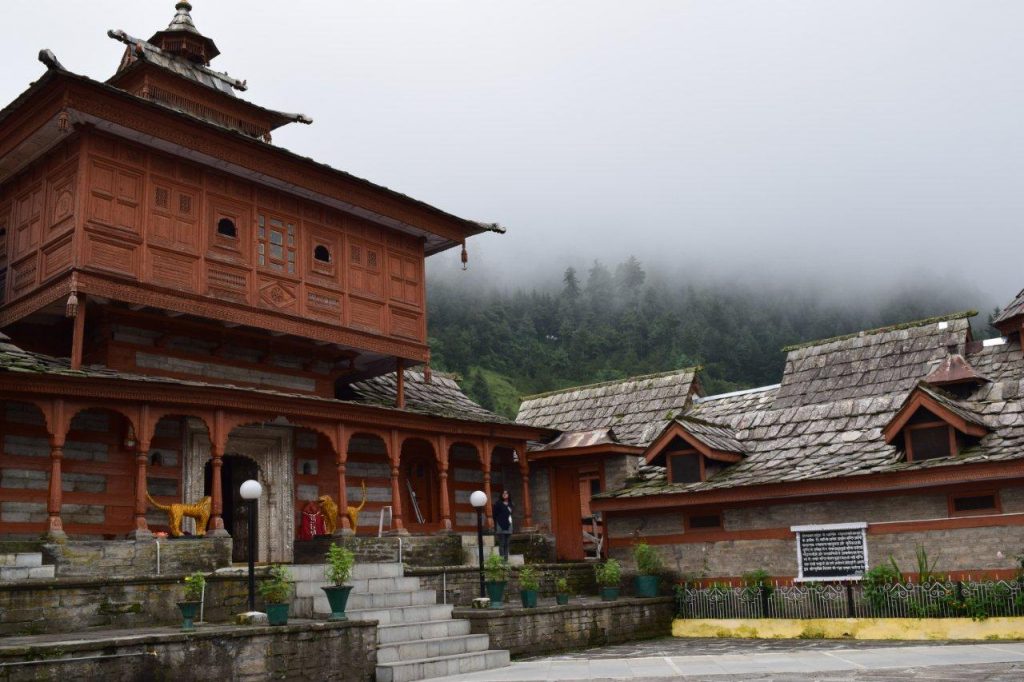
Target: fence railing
{"points": [[952, 599]]}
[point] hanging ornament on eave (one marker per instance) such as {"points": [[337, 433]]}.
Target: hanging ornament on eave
{"points": [[465, 257]]}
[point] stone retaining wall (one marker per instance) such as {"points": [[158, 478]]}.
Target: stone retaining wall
{"points": [[129, 558], [416, 550], [461, 584], [307, 651], [557, 628], [63, 605]]}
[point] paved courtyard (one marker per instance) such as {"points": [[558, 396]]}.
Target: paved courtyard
{"points": [[725, 660]]}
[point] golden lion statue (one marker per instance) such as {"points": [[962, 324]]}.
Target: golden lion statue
{"points": [[330, 510], [200, 511]]}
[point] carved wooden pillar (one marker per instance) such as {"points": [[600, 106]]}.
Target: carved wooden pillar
{"points": [[344, 525], [141, 504], [524, 472], [55, 527], [218, 443], [58, 427], [442, 465], [486, 465], [78, 332], [144, 438], [396, 488]]}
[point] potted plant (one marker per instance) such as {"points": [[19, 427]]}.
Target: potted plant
{"points": [[195, 585], [340, 561], [562, 590], [608, 576], [276, 592], [496, 571], [529, 583], [648, 566]]}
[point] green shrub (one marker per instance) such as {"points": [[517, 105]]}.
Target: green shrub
{"points": [[529, 579], [496, 569], [277, 589], [756, 581], [561, 585], [609, 573], [647, 560], [194, 585], [340, 561]]}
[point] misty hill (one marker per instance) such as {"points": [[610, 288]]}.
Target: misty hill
{"points": [[610, 323]]}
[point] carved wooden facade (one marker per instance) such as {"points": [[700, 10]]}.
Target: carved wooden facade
{"points": [[202, 283]]}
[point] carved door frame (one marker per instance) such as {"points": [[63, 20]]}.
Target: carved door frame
{"points": [[271, 447]]}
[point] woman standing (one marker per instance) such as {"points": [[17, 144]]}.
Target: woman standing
{"points": [[502, 514]]}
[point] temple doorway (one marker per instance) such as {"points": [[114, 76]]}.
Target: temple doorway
{"points": [[235, 470], [270, 449]]}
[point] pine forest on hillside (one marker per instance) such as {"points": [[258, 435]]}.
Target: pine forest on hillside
{"points": [[612, 323]]}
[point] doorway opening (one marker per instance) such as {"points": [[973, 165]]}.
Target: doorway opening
{"points": [[235, 470]]}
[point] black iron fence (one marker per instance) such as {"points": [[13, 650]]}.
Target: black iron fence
{"points": [[951, 599]]}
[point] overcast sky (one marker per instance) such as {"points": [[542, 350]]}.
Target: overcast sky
{"points": [[861, 142]]}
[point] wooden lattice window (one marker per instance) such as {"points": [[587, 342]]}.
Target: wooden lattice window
{"points": [[275, 244]]}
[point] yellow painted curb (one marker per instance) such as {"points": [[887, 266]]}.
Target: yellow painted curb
{"points": [[853, 628]]}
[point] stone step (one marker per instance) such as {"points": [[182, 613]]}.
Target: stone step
{"points": [[409, 614], [318, 572], [431, 629], [311, 588], [408, 671], [384, 600], [431, 648], [22, 559]]}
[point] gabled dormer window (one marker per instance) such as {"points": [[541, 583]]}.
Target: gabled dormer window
{"points": [[932, 425], [693, 451]]}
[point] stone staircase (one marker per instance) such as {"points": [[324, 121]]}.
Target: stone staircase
{"points": [[416, 637], [24, 566]]}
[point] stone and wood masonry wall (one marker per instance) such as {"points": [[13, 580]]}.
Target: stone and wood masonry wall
{"points": [[758, 537]]}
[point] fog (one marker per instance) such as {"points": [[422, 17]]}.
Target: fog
{"points": [[854, 146]]}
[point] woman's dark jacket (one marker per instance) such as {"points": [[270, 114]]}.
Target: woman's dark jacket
{"points": [[502, 516]]}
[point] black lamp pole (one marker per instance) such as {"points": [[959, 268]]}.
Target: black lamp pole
{"points": [[480, 547], [252, 554]]}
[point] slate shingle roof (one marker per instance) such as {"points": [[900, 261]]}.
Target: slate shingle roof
{"points": [[1015, 308], [871, 363], [788, 436], [716, 437], [636, 408], [442, 397]]}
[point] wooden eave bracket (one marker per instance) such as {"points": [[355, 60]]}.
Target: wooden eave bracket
{"points": [[919, 399]]}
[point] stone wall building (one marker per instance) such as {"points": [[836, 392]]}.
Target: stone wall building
{"points": [[911, 434]]}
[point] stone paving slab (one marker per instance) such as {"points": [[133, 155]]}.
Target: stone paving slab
{"points": [[826, 661]]}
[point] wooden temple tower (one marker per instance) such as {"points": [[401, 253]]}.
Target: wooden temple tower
{"points": [[184, 305]]}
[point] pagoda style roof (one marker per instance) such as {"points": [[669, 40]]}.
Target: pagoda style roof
{"points": [[273, 166], [636, 408]]}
